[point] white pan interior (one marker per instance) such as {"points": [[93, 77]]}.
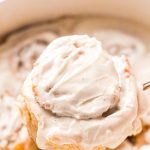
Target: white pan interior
{"points": [[17, 13]]}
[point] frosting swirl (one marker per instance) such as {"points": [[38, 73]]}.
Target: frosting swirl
{"points": [[79, 94]]}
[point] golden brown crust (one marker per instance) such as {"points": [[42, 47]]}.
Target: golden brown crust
{"points": [[31, 124], [30, 119], [140, 140], [69, 147], [28, 145]]}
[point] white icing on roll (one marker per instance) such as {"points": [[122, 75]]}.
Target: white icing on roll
{"points": [[121, 37], [12, 130], [81, 95]]}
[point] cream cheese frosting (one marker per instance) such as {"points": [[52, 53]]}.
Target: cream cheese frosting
{"points": [[79, 94], [123, 37]]}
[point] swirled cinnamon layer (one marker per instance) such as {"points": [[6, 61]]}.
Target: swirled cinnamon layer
{"points": [[24, 54]]}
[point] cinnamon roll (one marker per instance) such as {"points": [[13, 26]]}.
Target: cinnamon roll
{"points": [[13, 134], [25, 53], [78, 95], [15, 64]]}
